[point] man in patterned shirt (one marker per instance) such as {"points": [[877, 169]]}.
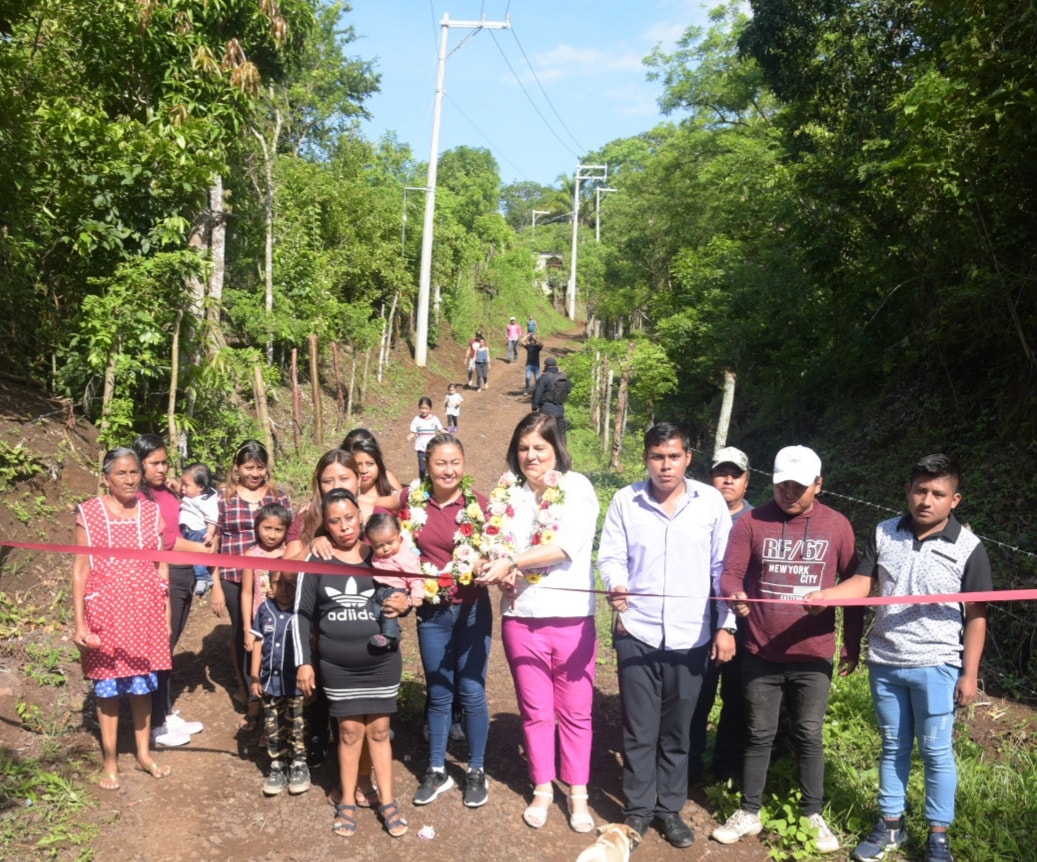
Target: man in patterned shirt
{"points": [[923, 659]]}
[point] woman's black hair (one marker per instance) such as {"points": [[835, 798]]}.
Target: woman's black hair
{"points": [[444, 438], [272, 510], [357, 434], [251, 450], [201, 475], [337, 495], [423, 400], [144, 446], [547, 427], [369, 446], [381, 521]]}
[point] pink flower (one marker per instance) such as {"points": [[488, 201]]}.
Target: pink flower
{"points": [[552, 478]]}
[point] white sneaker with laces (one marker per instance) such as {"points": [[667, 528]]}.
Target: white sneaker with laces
{"points": [[168, 737], [175, 723], [738, 825], [825, 841]]}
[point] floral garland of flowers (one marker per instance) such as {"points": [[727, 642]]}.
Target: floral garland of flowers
{"points": [[440, 586], [498, 538]]}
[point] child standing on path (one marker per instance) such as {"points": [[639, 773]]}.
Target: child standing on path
{"points": [[271, 527], [199, 512], [452, 404], [392, 554], [423, 428], [273, 680]]}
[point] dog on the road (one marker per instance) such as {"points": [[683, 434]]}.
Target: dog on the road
{"points": [[615, 841]]}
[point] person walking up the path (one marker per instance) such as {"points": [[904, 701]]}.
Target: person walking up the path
{"points": [[513, 333], [551, 393], [532, 346], [482, 366], [452, 406]]}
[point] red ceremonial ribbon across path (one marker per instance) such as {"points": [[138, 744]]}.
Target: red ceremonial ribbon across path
{"points": [[316, 567]]}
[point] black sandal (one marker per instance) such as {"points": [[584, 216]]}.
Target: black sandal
{"points": [[395, 825], [345, 820]]}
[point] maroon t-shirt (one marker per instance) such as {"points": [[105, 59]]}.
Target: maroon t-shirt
{"points": [[772, 556], [436, 539], [169, 505]]}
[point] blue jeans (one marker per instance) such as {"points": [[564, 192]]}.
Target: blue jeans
{"points": [[454, 641], [915, 702], [805, 686], [532, 376], [201, 573]]}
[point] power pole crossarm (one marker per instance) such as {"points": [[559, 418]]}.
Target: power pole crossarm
{"points": [[425, 274], [598, 173]]}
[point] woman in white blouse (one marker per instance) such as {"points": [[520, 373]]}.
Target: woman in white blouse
{"points": [[539, 538]]}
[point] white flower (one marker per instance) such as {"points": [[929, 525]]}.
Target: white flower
{"points": [[499, 508], [418, 517], [545, 517]]}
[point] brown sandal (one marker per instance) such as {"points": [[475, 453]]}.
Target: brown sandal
{"points": [[156, 771]]}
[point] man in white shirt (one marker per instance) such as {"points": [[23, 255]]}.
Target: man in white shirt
{"points": [[661, 552]]}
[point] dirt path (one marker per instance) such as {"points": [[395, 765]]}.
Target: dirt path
{"points": [[212, 806]]}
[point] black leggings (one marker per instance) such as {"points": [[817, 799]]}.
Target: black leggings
{"points": [[181, 594]]}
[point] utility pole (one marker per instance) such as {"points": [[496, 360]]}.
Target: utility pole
{"points": [[598, 192], [535, 214], [598, 173], [425, 275]]}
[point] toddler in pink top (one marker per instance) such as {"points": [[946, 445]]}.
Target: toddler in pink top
{"points": [[392, 554]]}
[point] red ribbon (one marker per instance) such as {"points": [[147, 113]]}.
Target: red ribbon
{"points": [[316, 567]]}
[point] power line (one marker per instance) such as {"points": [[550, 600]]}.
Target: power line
{"points": [[525, 92], [579, 146], [485, 137]]}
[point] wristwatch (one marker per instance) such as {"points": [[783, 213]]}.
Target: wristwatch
{"points": [[730, 630]]}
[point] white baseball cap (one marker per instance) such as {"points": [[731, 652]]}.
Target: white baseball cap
{"points": [[797, 464]]}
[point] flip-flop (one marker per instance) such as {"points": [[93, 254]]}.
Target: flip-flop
{"points": [[156, 771], [109, 781]]}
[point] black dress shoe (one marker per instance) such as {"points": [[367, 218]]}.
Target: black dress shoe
{"points": [[676, 831], [639, 825]]}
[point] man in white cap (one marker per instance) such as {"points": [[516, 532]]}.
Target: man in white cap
{"points": [[730, 476], [779, 552]]}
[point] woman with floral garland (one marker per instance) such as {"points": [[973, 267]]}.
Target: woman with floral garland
{"points": [[445, 518], [539, 538]]}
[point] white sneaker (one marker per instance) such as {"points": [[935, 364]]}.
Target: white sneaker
{"points": [[739, 824], [175, 723], [825, 841], [168, 738]]}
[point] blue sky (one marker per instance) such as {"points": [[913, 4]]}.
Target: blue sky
{"points": [[586, 54]]}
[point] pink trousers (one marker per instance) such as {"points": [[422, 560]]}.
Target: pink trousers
{"points": [[552, 662]]}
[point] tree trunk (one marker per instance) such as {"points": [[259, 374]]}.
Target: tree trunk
{"points": [[108, 394], [606, 413], [296, 403], [218, 248], [724, 422], [174, 374], [339, 400], [595, 401], [621, 409], [259, 390], [318, 402]]}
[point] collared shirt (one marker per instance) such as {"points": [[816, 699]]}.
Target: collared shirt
{"points": [[274, 627], [676, 558], [951, 561]]}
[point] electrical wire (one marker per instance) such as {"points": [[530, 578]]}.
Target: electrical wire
{"points": [[485, 137], [539, 113], [579, 146]]}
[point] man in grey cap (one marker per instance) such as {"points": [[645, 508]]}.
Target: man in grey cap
{"points": [[552, 391], [730, 476]]}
